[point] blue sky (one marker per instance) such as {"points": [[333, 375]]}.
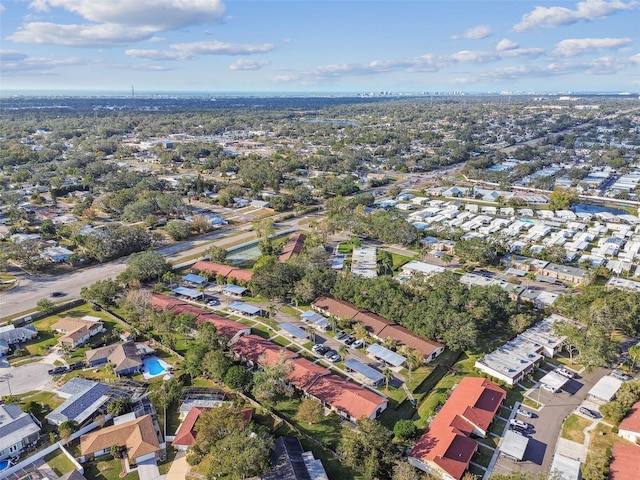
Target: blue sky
{"points": [[320, 46]]}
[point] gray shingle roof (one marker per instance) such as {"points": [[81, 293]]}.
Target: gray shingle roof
{"points": [[78, 406]]}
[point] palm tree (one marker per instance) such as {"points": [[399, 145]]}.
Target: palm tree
{"points": [[343, 350], [414, 359], [388, 375], [634, 355], [169, 277], [311, 331]]}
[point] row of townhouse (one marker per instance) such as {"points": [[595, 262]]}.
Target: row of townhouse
{"points": [[378, 326], [347, 399], [514, 360]]}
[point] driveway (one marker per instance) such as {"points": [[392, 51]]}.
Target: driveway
{"points": [[548, 423], [179, 467], [18, 380], [148, 470]]}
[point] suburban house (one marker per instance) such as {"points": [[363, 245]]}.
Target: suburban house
{"points": [[624, 462], [517, 358], [12, 335], [426, 269], [253, 349], [76, 332], [138, 436], [290, 462], [124, 357], [446, 448], [186, 433], [378, 326], [17, 430], [228, 272], [294, 246], [630, 426], [83, 399]]}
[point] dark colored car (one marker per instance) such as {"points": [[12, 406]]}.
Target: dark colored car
{"points": [[320, 349], [76, 366], [350, 340], [330, 353], [58, 294], [588, 412], [57, 370]]}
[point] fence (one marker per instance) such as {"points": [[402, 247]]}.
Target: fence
{"points": [[22, 466]]}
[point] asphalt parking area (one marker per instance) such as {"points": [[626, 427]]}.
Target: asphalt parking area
{"points": [[18, 380]]}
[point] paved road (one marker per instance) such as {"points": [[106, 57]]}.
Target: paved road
{"points": [[34, 287], [548, 424]]}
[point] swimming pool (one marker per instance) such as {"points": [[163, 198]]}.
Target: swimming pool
{"points": [[4, 464], [153, 367]]}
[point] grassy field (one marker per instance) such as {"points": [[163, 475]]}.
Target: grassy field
{"points": [[59, 462], [573, 428]]}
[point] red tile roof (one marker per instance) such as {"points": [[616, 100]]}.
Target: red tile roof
{"points": [[406, 337], [305, 373], [186, 434], [294, 245], [337, 308], [632, 421], [163, 302], [624, 462], [372, 322], [252, 347], [347, 397], [225, 327], [224, 270], [446, 444]]}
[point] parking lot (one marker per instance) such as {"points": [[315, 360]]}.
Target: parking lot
{"points": [[547, 424]]}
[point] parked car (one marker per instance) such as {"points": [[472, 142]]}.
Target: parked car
{"points": [[214, 302], [519, 423], [564, 372], [335, 358], [619, 375], [57, 370], [330, 353], [319, 348], [588, 412], [549, 388], [350, 340], [341, 336], [524, 413], [517, 429], [58, 294], [358, 343], [76, 366]]}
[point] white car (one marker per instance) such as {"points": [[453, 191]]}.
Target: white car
{"points": [[358, 344], [549, 388], [524, 413], [564, 372], [519, 423]]}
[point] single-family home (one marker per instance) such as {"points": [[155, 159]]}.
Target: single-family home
{"points": [[624, 462], [124, 357], [77, 331], [294, 246], [630, 426], [12, 335], [18, 430], [186, 433], [447, 448], [290, 462], [138, 436]]}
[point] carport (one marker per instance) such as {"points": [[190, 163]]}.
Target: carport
{"points": [[195, 279], [565, 468], [514, 445], [606, 388], [293, 330], [554, 380], [386, 355], [373, 375], [188, 292]]}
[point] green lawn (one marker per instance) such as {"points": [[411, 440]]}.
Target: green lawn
{"points": [[106, 468], [59, 462], [483, 455], [573, 428]]}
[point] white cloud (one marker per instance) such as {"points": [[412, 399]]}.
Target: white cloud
{"points": [[485, 56], [506, 44], [16, 64], [2, 9], [185, 51], [575, 46], [117, 22], [248, 64], [557, 16], [477, 33]]}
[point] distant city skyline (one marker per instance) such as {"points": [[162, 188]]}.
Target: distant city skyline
{"points": [[320, 46]]}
